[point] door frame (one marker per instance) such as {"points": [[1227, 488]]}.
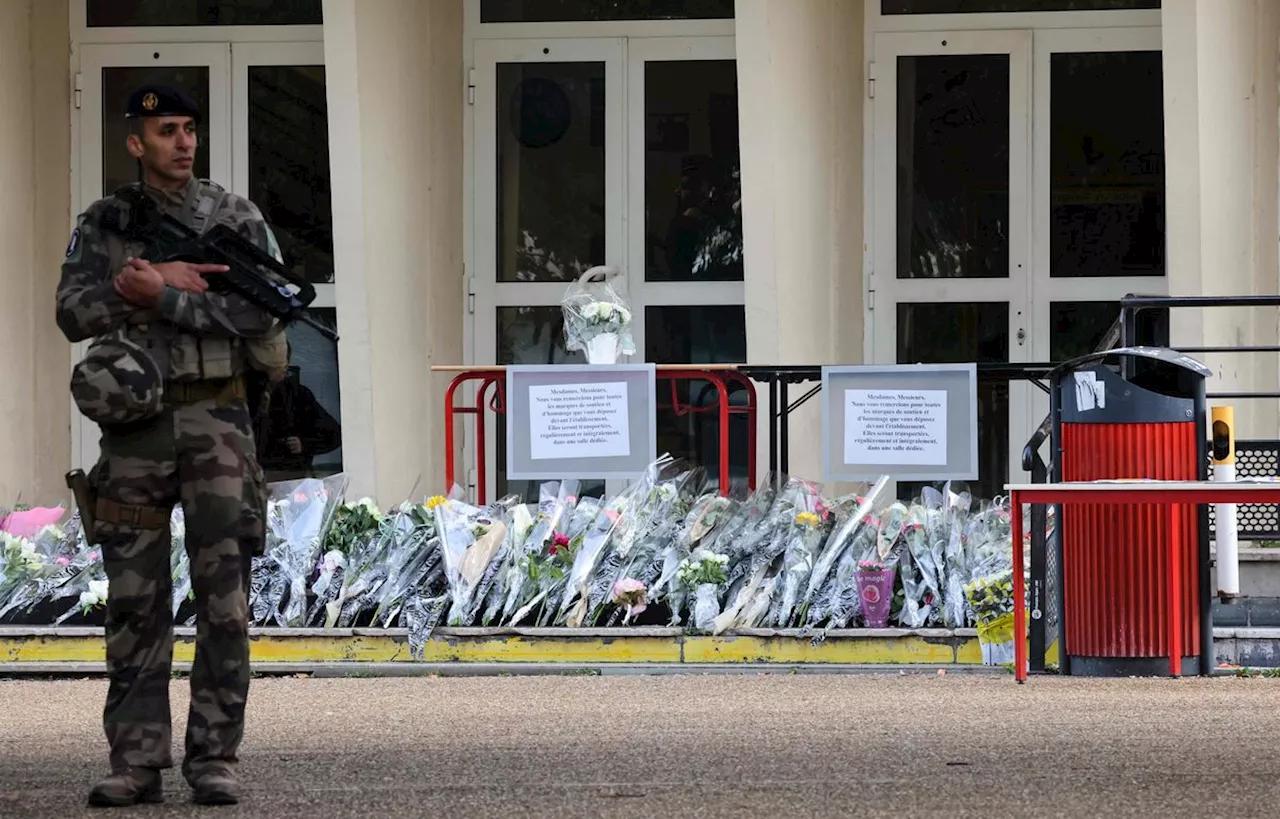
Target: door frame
{"points": [[87, 184], [885, 290]]}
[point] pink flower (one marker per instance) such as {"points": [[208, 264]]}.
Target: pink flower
{"points": [[28, 523], [630, 593], [613, 515], [63, 561], [558, 541]]}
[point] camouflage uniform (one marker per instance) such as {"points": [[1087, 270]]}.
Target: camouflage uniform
{"points": [[197, 451]]}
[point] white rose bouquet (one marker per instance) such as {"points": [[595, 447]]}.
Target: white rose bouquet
{"points": [[597, 319]]}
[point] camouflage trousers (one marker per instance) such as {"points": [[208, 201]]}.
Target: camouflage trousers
{"points": [[202, 455]]}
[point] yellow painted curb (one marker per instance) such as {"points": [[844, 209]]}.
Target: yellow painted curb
{"points": [[868, 650], [585, 646]]}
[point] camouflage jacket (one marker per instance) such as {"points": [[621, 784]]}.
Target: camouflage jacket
{"points": [[191, 336]]}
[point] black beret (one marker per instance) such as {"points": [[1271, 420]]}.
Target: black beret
{"points": [[160, 101]]}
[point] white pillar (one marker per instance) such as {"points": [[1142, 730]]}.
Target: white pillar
{"points": [[1220, 77], [801, 78], [35, 448], [395, 93]]}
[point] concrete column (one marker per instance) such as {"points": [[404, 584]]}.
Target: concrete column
{"points": [[1220, 75], [35, 448], [395, 92], [801, 75]]}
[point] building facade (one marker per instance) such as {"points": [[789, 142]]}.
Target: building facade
{"points": [[781, 181]]}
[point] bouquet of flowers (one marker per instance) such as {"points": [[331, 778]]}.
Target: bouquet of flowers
{"points": [[704, 572], [298, 517], [587, 557], [531, 571], [469, 538], [629, 593], [989, 592], [808, 530], [709, 514], [831, 591], [597, 319]]}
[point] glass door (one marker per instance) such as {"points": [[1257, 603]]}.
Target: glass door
{"points": [[280, 161], [950, 276], [108, 73], [685, 233], [549, 198], [1099, 185]]}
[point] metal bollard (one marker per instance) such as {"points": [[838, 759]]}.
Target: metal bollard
{"points": [[1223, 453]]}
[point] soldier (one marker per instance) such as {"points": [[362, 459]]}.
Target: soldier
{"points": [[165, 381]]}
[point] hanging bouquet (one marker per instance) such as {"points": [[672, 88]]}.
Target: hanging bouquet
{"points": [[597, 319]]}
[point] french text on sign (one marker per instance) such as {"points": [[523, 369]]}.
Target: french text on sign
{"points": [[896, 427], [579, 421]]}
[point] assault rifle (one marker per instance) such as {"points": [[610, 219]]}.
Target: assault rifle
{"points": [[250, 268]]}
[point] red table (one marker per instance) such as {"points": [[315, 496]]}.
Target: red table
{"points": [[719, 376], [1162, 493]]}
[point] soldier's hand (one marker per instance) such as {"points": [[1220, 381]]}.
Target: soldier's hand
{"points": [[294, 445], [187, 276], [139, 283]]}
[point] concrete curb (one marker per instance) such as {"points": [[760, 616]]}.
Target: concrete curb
{"points": [[583, 647], [361, 669], [595, 650]]}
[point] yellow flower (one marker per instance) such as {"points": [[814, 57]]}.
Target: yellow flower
{"points": [[435, 501], [808, 519]]}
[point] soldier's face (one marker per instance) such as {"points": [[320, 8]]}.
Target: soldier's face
{"points": [[168, 149]]}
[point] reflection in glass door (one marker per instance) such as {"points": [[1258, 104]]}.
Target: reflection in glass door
{"points": [[951, 234], [108, 75]]}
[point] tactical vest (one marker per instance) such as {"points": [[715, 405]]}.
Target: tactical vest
{"points": [[113, 385]]}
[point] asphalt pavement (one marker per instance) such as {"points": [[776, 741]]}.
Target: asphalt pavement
{"points": [[689, 746]]}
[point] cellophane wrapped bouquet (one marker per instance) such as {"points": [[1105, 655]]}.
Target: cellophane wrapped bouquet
{"points": [[666, 550], [989, 592], [597, 318]]}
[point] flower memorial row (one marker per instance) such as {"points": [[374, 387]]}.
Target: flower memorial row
{"points": [[664, 551]]}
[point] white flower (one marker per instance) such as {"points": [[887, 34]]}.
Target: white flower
{"points": [[334, 560], [95, 596]]}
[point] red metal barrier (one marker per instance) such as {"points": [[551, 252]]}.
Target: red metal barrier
{"points": [[721, 377], [1116, 562]]}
